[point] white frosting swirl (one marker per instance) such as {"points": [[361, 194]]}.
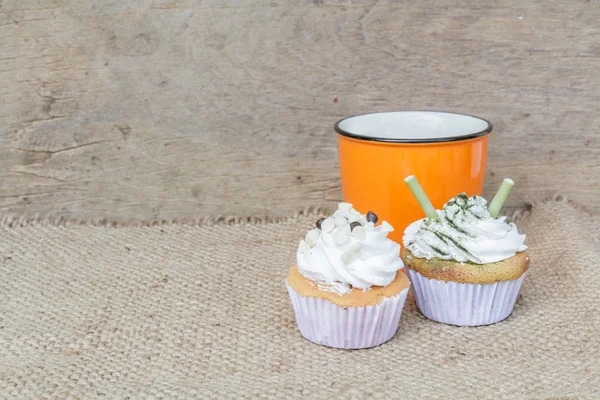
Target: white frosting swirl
{"points": [[464, 231], [339, 256]]}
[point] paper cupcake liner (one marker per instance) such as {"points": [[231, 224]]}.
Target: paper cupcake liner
{"points": [[323, 322], [464, 304]]}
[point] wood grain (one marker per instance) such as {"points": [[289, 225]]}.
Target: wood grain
{"points": [[176, 109]]}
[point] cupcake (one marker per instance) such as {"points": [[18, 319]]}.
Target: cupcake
{"points": [[466, 265], [348, 287]]}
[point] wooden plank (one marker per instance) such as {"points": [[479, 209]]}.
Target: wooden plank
{"points": [[172, 109]]}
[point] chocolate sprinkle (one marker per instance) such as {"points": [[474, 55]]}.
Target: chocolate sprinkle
{"points": [[354, 225], [319, 222], [372, 217]]}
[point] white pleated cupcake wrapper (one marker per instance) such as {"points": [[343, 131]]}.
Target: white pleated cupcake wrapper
{"points": [[464, 304], [323, 322]]}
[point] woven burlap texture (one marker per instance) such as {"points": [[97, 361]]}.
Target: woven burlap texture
{"points": [[183, 310]]}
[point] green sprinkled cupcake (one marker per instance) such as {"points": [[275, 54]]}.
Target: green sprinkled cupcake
{"points": [[466, 264]]}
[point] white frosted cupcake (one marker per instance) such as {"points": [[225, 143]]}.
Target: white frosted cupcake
{"points": [[466, 266], [348, 289]]}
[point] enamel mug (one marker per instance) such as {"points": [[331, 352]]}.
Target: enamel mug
{"points": [[446, 152]]}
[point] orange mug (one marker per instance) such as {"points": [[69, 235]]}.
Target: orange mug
{"points": [[447, 153]]}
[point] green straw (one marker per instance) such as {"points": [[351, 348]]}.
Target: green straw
{"points": [[421, 197], [500, 197]]}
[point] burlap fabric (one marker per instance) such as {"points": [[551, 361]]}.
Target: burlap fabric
{"points": [[200, 310]]}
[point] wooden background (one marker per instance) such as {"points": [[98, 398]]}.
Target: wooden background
{"points": [[180, 108]]}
